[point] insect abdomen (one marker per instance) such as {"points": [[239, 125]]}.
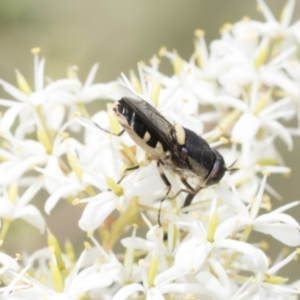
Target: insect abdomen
{"points": [[137, 125]]}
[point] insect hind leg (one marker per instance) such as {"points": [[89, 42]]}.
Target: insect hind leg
{"points": [[169, 187]]}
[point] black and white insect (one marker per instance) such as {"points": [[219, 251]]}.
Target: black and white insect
{"points": [[172, 146]]}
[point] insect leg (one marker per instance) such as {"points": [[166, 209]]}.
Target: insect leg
{"points": [[112, 133], [183, 180], [190, 189], [169, 186], [189, 198], [128, 170]]}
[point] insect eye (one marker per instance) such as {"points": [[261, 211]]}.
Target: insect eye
{"points": [[217, 171]]}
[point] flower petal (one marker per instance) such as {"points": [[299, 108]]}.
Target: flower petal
{"points": [[192, 254], [10, 116], [32, 216], [245, 128], [97, 211], [255, 259], [6, 208], [62, 192], [30, 193], [13, 91], [137, 243], [284, 233], [212, 285], [282, 132], [128, 290], [90, 282], [153, 294], [276, 218]]}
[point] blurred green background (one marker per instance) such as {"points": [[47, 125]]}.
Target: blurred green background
{"points": [[117, 34]]}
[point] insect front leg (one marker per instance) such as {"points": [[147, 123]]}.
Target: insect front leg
{"points": [[189, 198], [169, 186], [190, 189]]}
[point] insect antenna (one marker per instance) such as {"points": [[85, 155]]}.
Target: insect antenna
{"points": [[94, 126], [110, 132], [231, 169]]}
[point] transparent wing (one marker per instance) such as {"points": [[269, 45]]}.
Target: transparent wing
{"points": [[124, 91], [153, 120]]}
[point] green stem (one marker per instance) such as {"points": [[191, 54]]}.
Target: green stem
{"points": [[4, 228], [83, 110], [46, 138]]}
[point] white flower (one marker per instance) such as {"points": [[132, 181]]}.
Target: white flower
{"points": [[20, 157], [8, 263], [162, 285], [268, 286], [78, 281], [257, 116], [239, 92], [138, 183], [193, 253], [274, 28], [279, 225], [43, 102], [89, 92], [14, 207]]}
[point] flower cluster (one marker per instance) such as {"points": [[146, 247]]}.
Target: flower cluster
{"points": [[240, 94]]}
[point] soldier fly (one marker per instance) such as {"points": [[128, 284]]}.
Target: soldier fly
{"points": [[172, 146]]}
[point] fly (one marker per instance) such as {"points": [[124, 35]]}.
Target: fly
{"points": [[171, 145]]}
